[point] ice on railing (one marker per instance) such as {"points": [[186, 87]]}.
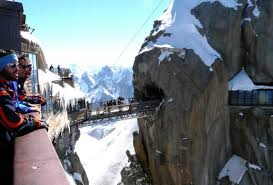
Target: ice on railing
{"points": [[58, 96], [67, 91]]}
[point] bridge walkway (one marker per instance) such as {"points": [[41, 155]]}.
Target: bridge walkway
{"points": [[101, 114]]}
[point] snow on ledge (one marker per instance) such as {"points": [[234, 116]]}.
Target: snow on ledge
{"points": [[249, 3], [235, 169], [262, 145], [242, 82], [78, 177], [181, 26], [163, 55], [70, 178], [26, 35], [255, 167], [256, 11]]}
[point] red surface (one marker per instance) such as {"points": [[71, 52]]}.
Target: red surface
{"points": [[36, 162]]}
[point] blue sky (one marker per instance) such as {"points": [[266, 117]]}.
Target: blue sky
{"points": [[92, 32]]}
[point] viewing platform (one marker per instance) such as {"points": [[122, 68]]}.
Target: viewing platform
{"points": [[65, 75], [254, 98], [259, 100]]}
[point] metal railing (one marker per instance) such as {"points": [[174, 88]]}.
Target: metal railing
{"points": [[62, 72], [105, 113]]}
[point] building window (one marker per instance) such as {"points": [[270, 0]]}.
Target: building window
{"points": [[33, 82], [255, 97], [248, 97], [241, 97], [34, 73], [233, 97]]}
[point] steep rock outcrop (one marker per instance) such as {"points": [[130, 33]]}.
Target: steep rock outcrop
{"points": [[194, 134], [258, 37], [133, 174], [252, 138], [182, 139], [64, 137], [222, 27]]}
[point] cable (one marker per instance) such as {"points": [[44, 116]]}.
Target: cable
{"points": [[137, 32]]}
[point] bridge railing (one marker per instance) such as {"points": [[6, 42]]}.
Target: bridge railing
{"points": [[131, 109], [80, 103], [62, 72], [258, 97], [75, 105]]}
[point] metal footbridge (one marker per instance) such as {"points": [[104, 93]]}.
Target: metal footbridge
{"points": [[86, 114], [101, 114]]}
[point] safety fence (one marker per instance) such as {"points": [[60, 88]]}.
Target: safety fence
{"points": [[77, 104], [62, 72], [114, 112]]}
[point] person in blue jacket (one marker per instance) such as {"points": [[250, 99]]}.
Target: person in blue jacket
{"points": [[22, 107], [24, 101], [12, 123]]}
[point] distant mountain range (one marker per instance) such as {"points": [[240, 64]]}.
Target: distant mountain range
{"points": [[106, 84]]}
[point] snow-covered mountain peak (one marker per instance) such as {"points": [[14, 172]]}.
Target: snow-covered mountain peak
{"points": [[106, 84], [106, 71], [88, 78]]}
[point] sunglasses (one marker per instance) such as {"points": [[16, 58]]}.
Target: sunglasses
{"points": [[13, 65], [25, 66]]}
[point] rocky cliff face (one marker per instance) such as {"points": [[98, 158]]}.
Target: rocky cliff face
{"points": [[64, 137], [251, 135], [65, 145], [187, 61]]}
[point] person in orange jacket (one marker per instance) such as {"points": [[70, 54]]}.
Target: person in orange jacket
{"points": [[12, 124], [24, 101]]}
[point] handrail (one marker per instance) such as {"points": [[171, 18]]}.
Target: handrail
{"points": [[122, 111], [36, 161]]}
